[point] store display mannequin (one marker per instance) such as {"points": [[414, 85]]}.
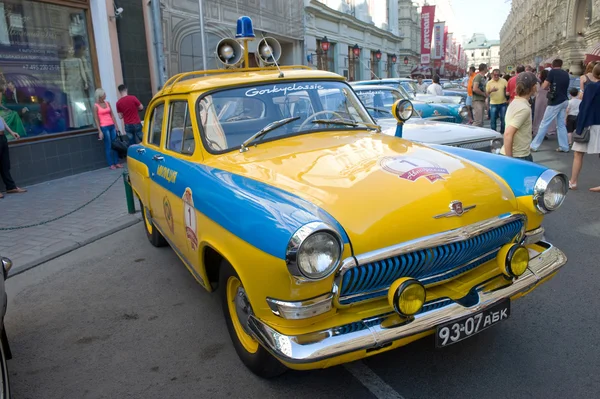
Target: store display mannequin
{"points": [[75, 85]]}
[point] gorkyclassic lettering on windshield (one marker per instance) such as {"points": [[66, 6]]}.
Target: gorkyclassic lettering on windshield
{"points": [[278, 88]]}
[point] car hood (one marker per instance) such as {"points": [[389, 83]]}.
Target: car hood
{"points": [[430, 98], [382, 190], [434, 132]]}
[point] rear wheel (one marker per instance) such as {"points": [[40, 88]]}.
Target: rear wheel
{"points": [[4, 354], [237, 309], [152, 233]]}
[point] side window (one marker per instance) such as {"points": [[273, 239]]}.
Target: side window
{"points": [[156, 125], [180, 136]]}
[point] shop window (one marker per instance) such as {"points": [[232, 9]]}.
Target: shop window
{"points": [[46, 79], [156, 125], [181, 135]]}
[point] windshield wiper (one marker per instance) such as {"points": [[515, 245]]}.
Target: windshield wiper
{"points": [[271, 126], [346, 122], [380, 110]]}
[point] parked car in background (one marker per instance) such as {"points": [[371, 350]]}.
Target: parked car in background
{"points": [[410, 87], [455, 90], [379, 100], [5, 353], [454, 113]]}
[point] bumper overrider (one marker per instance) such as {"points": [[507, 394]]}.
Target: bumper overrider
{"points": [[378, 332]]}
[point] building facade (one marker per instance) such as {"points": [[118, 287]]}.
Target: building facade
{"points": [[538, 31], [183, 44], [479, 50], [53, 56], [358, 48], [409, 24]]}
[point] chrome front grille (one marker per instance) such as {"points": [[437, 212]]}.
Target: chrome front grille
{"points": [[428, 264]]}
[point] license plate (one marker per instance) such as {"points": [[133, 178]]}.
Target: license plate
{"points": [[465, 327]]}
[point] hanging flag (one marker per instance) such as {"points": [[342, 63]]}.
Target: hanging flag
{"points": [[438, 41], [445, 42], [427, 18]]}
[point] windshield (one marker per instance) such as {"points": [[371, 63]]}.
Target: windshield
{"points": [[231, 116], [379, 101], [409, 89]]}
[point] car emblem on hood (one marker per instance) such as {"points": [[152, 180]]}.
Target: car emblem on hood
{"points": [[456, 209]]}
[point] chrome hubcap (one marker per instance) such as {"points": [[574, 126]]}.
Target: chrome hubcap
{"points": [[243, 309]]}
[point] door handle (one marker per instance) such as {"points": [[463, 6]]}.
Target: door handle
{"points": [[158, 158], [141, 150]]}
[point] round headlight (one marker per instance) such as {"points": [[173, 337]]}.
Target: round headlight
{"points": [[513, 260], [550, 191], [314, 251], [318, 256], [497, 145], [407, 296]]}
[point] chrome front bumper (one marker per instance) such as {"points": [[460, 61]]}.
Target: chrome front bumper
{"points": [[374, 333]]}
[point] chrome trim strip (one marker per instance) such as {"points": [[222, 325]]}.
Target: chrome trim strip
{"points": [[326, 344], [306, 304], [533, 236], [296, 242]]}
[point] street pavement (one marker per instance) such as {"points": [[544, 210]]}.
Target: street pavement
{"points": [[122, 319], [31, 246]]}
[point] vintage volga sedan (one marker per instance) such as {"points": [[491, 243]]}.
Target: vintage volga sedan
{"points": [[327, 240], [379, 100]]}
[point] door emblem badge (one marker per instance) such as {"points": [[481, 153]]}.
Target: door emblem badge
{"points": [[456, 209]]}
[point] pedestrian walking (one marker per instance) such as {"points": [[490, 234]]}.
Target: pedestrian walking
{"points": [[479, 96], [512, 83], [540, 105], [107, 127], [572, 112], [421, 87], [469, 102], [588, 117], [496, 90], [587, 78], [435, 88], [128, 107], [517, 136], [558, 84], [9, 183]]}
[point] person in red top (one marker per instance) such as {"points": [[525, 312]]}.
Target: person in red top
{"points": [[511, 88], [127, 108]]}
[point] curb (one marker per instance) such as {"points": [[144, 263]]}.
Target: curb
{"points": [[30, 265]]}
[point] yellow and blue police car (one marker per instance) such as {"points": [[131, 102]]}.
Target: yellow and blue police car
{"points": [[327, 240]]}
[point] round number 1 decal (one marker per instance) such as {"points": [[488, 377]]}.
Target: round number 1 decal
{"points": [[190, 218]]}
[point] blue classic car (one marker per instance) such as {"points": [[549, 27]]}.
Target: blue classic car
{"points": [[379, 100], [453, 113]]}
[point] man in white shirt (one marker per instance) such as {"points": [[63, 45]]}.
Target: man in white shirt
{"points": [[435, 87], [421, 87]]}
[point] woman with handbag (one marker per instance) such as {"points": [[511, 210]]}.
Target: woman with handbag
{"points": [[107, 128], [586, 139]]}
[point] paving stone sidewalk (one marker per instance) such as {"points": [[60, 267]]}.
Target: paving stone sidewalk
{"points": [[29, 247]]}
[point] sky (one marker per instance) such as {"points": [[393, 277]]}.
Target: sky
{"points": [[481, 16]]}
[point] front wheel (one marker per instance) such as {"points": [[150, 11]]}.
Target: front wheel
{"points": [[237, 309], [152, 233]]}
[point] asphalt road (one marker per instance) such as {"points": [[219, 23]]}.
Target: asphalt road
{"points": [[121, 319]]}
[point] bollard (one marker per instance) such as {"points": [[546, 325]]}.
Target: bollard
{"points": [[128, 193]]}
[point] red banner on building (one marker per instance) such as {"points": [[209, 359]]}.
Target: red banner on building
{"points": [[445, 43], [427, 21]]}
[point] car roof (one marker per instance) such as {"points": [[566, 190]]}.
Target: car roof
{"points": [[214, 79], [372, 87]]}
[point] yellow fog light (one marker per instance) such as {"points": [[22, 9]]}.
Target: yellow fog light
{"points": [[513, 260], [406, 296]]}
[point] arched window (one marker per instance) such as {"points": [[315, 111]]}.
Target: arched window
{"points": [[190, 52]]}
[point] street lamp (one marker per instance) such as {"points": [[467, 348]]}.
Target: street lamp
{"points": [[378, 55], [325, 44], [405, 60], [394, 58], [356, 50]]}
